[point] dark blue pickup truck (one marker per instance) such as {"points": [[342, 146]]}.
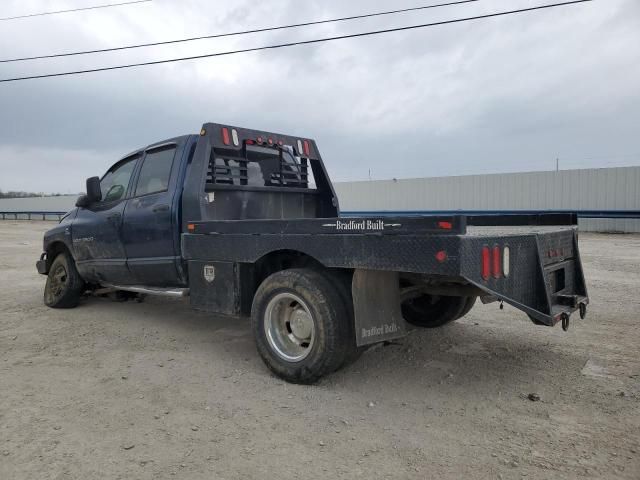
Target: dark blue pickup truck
{"points": [[246, 223]]}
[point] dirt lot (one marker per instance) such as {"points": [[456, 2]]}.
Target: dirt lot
{"points": [[155, 390]]}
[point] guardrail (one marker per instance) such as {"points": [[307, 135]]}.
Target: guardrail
{"points": [[604, 214], [41, 215]]}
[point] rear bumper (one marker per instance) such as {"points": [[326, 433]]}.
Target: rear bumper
{"points": [[545, 281], [567, 305], [42, 265]]}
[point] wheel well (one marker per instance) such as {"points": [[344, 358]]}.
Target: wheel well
{"points": [[283, 260], [275, 262], [54, 250]]}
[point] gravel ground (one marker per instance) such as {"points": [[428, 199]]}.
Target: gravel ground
{"points": [[156, 390]]}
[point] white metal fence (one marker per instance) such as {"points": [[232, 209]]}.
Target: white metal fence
{"points": [[606, 189]]}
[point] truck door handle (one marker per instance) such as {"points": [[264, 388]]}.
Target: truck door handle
{"points": [[160, 208]]}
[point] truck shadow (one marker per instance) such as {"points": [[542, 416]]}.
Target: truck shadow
{"points": [[465, 356], [457, 356]]}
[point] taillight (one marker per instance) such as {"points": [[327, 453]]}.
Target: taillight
{"points": [[486, 263], [496, 270], [445, 225], [307, 148], [441, 256], [226, 139]]}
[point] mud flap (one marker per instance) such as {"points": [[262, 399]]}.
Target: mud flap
{"points": [[376, 303]]}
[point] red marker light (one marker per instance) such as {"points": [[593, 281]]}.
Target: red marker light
{"points": [[497, 260], [441, 256], [280, 142], [226, 139], [445, 225], [260, 140], [307, 148], [486, 263], [250, 142], [270, 141]]}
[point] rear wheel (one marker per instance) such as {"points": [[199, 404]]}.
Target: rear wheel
{"points": [[64, 285], [471, 301], [300, 325], [432, 311]]}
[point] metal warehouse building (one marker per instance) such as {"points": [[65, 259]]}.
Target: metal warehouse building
{"points": [[594, 192]]}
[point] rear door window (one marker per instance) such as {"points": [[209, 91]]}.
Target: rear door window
{"points": [[156, 171]]}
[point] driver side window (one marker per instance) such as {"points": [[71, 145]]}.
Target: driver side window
{"points": [[114, 184]]}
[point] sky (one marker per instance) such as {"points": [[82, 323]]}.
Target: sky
{"points": [[506, 94]]}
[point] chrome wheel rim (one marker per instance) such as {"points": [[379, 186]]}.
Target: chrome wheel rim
{"points": [[289, 327]]}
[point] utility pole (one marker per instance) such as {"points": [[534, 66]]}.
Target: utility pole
{"points": [[557, 164]]}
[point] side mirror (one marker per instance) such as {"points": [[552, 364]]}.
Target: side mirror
{"points": [[94, 194], [83, 201]]}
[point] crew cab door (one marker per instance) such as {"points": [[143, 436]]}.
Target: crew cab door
{"points": [[151, 226], [97, 229]]}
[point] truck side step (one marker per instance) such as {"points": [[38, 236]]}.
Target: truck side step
{"points": [[163, 292]]}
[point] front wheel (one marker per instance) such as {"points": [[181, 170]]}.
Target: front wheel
{"points": [[432, 311], [300, 325], [64, 285]]}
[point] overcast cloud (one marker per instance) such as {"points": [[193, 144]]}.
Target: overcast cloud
{"points": [[498, 95]]}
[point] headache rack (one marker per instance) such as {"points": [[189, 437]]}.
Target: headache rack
{"points": [[251, 174], [258, 166]]}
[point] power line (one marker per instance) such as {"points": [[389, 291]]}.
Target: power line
{"points": [[73, 10], [244, 32], [291, 44]]}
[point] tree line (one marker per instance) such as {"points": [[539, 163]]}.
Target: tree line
{"points": [[12, 194]]}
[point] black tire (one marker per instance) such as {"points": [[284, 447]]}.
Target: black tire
{"points": [[327, 350], [429, 311], [64, 285], [342, 280], [471, 301]]}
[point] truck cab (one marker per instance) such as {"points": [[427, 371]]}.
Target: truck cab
{"points": [[126, 230]]}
